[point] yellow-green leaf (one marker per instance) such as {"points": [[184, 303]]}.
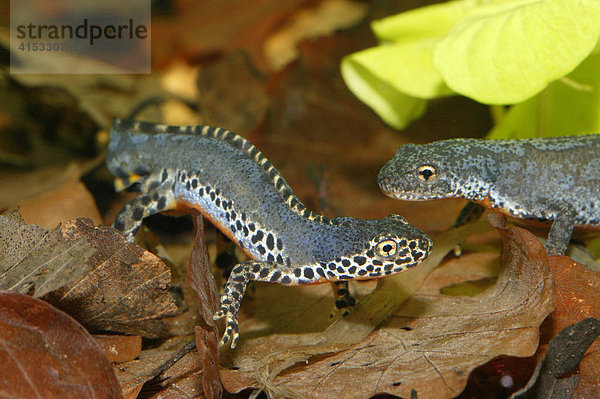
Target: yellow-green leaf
{"points": [[570, 105], [422, 23], [396, 108], [509, 51]]}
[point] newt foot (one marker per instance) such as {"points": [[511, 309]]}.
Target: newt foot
{"points": [[231, 327]]}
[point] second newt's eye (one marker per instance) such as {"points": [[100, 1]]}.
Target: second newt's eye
{"points": [[387, 247], [427, 173]]}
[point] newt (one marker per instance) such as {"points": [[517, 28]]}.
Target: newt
{"points": [[235, 187], [553, 180]]}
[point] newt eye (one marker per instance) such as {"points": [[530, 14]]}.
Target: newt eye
{"points": [[387, 248], [427, 173]]}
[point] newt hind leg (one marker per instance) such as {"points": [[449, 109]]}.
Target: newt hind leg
{"points": [[343, 300], [157, 196]]}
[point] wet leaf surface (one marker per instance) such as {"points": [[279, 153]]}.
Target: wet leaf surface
{"points": [[34, 260], [126, 290], [46, 354]]}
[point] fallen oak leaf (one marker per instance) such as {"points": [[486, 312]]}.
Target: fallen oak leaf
{"points": [[35, 260], [434, 341], [283, 350], [564, 353], [126, 289], [47, 354]]}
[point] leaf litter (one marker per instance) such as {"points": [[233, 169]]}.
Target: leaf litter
{"points": [[430, 344], [126, 289]]}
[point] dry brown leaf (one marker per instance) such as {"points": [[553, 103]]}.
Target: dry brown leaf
{"points": [[431, 344], [19, 185], [120, 348], [207, 338], [46, 354], [291, 327], [126, 290], [134, 374], [35, 260], [182, 381], [578, 297]]}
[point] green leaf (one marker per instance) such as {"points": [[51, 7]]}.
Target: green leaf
{"points": [[429, 22], [567, 106], [394, 107], [407, 67], [572, 105], [519, 122], [508, 51]]}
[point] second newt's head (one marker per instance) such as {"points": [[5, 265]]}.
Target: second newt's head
{"points": [[457, 168]]}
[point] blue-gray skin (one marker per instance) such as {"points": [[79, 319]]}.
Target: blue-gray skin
{"points": [[547, 179], [238, 189]]}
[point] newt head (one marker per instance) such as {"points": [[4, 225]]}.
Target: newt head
{"points": [[444, 169], [373, 248]]}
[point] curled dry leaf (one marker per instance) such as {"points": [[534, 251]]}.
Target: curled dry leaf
{"points": [[430, 344], [203, 282], [126, 290], [46, 354], [34, 260], [65, 202]]}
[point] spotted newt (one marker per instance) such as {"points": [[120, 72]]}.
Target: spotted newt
{"points": [[231, 182], [554, 180]]}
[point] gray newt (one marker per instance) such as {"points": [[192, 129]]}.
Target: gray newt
{"points": [[236, 188], [554, 180]]}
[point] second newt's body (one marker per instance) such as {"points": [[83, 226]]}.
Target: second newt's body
{"points": [[238, 189], [548, 179]]}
